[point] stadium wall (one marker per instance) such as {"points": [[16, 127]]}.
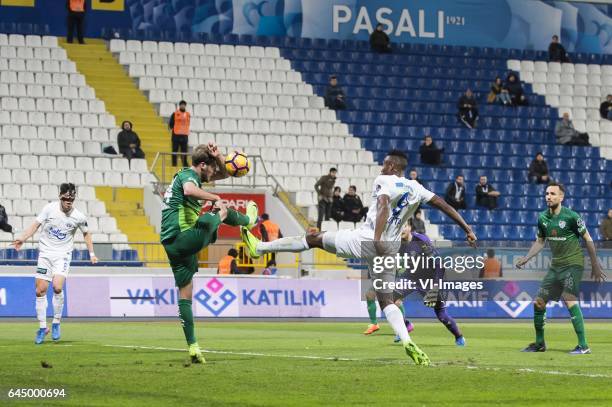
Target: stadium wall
{"points": [[149, 295], [523, 24]]}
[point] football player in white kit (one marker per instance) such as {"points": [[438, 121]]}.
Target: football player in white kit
{"points": [[395, 201], [59, 221]]}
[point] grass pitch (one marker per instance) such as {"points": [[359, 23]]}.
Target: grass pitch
{"points": [[304, 363]]}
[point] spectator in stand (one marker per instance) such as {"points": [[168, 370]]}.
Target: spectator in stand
{"points": [[430, 153], [605, 109], [325, 191], [354, 209], [227, 264], [128, 142], [538, 170], [556, 51], [468, 112], [4, 225], [334, 95], [379, 40], [417, 222], [606, 226], [76, 17], [515, 90], [337, 211], [455, 193], [270, 232], [414, 175], [492, 267], [568, 135], [499, 93], [179, 123], [486, 195]]}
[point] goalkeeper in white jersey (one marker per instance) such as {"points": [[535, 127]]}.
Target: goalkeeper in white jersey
{"points": [[59, 222], [395, 199]]}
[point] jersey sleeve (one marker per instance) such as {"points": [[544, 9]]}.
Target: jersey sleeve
{"points": [[541, 229], [44, 214], [83, 224], [382, 186], [423, 193], [579, 226]]}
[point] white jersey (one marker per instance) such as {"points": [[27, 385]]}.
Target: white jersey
{"points": [[405, 196], [58, 229]]}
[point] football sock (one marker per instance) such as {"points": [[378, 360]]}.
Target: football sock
{"points": [[396, 320], [41, 311], [539, 318], [448, 322], [186, 316], [578, 322], [372, 311], [58, 306], [235, 218], [286, 244]]}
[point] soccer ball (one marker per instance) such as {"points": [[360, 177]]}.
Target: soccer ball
{"points": [[237, 164]]}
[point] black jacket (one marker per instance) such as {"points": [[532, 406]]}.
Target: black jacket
{"points": [[450, 193], [379, 40], [127, 137], [557, 53], [338, 209], [352, 202], [514, 88], [332, 93], [430, 154], [465, 100], [538, 168], [604, 108], [482, 198]]}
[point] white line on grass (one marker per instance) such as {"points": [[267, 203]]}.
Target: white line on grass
{"points": [[310, 357]]}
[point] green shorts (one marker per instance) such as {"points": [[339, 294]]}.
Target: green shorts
{"points": [[560, 281], [183, 249]]}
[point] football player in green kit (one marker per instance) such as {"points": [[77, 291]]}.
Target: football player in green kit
{"points": [[184, 232], [563, 228]]}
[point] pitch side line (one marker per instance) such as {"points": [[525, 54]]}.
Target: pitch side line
{"points": [[439, 364]]}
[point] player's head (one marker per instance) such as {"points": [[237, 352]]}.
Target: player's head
{"points": [[407, 232], [394, 163], [232, 252], [67, 195], [555, 193], [203, 163], [182, 105], [265, 216]]}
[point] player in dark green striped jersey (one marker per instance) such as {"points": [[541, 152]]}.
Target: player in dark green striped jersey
{"points": [[184, 232], [562, 228]]}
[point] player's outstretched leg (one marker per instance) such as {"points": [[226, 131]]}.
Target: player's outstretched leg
{"points": [[293, 244], [58, 306], [409, 325], [539, 319], [373, 325], [235, 218], [41, 310], [449, 323]]}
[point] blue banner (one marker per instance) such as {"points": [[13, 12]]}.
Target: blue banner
{"points": [[522, 24], [17, 297]]}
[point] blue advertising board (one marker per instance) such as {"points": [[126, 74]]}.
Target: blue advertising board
{"points": [[17, 297]]}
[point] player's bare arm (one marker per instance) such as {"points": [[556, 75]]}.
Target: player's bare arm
{"points": [[536, 248], [190, 189], [449, 211], [596, 273], [382, 214], [221, 171], [90, 248], [28, 233]]}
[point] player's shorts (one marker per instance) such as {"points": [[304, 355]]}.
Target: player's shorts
{"points": [[560, 281], [51, 265], [183, 250], [358, 244]]}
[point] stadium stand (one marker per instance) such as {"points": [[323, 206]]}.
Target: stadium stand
{"points": [[574, 88]]}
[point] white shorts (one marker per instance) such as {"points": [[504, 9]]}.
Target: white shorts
{"points": [[358, 244], [50, 266]]}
